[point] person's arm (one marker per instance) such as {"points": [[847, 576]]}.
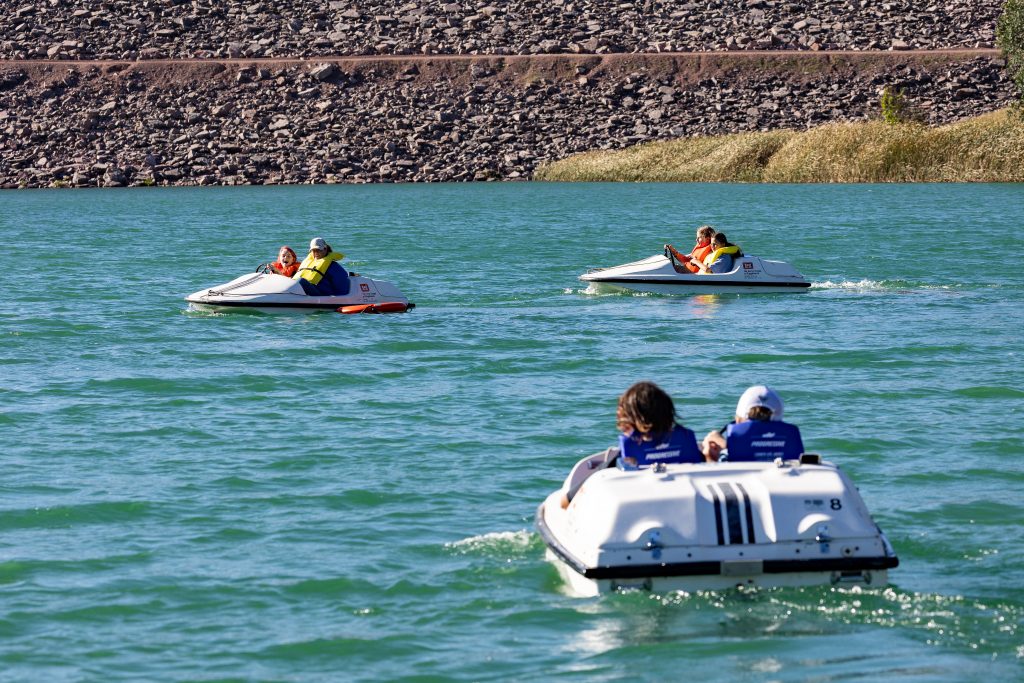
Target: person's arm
{"points": [[713, 445], [682, 258]]}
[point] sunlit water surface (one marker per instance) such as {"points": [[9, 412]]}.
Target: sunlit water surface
{"points": [[197, 496]]}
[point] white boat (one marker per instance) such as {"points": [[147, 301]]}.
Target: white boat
{"points": [[661, 274], [712, 526], [271, 292]]}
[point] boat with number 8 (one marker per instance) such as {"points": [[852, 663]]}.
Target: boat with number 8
{"points": [[711, 526]]}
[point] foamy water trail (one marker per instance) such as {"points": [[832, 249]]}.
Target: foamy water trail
{"points": [[495, 542]]}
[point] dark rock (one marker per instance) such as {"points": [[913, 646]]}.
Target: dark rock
{"points": [[324, 72]]}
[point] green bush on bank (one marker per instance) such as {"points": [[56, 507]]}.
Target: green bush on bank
{"points": [[1010, 38], [988, 148]]}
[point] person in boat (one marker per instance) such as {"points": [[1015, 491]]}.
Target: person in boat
{"points": [[701, 249], [721, 259], [758, 433], [319, 273], [287, 262], [650, 432]]}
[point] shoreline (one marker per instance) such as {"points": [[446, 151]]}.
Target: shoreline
{"points": [[983, 149]]}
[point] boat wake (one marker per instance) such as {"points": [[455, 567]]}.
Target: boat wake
{"points": [[496, 543], [866, 285], [598, 290]]}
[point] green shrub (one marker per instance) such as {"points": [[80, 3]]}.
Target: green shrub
{"points": [[895, 108], [1010, 38]]}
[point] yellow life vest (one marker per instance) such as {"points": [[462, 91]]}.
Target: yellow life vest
{"points": [[714, 256], [314, 269]]}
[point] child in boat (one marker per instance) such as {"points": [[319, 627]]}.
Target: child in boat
{"points": [[701, 249], [651, 434], [758, 434], [287, 262]]}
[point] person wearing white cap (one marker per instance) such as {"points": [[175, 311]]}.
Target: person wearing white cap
{"points": [[319, 273], [758, 433]]}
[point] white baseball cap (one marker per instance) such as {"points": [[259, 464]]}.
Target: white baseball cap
{"points": [[317, 243], [760, 395]]}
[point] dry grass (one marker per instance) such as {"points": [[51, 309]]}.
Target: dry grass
{"points": [[989, 148]]}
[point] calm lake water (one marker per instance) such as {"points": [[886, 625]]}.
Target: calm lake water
{"points": [[191, 496]]}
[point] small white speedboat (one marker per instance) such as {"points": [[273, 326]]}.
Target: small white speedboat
{"points": [[660, 274], [271, 292], [712, 526]]}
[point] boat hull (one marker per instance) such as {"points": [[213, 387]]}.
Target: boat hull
{"points": [[659, 275], [710, 527], [272, 293], [579, 585]]}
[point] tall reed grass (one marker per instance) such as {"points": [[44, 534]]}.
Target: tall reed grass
{"points": [[988, 148]]}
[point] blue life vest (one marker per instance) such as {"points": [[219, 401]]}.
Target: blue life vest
{"points": [[681, 446], [759, 441], [722, 265], [335, 282]]}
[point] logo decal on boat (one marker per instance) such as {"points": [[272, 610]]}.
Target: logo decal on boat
{"points": [[747, 265], [363, 286]]}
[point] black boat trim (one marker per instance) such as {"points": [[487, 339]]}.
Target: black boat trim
{"points": [[732, 514], [278, 304], [693, 283], [838, 564], [749, 513], [718, 514], [712, 568]]}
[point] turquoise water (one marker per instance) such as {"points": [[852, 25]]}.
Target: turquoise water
{"points": [[193, 496]]}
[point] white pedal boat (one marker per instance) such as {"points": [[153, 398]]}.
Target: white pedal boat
{"points": [[271, 292], [660, 274], [712, 526]]}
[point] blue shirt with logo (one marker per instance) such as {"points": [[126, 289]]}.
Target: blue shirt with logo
{"points": [[758, 441], [680, 446]]}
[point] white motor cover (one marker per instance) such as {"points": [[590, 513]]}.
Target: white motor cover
{"points": [[764, 512]]}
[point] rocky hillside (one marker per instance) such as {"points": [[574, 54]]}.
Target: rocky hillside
{"points": [[235, 92], [129, 29], [435, 119]]}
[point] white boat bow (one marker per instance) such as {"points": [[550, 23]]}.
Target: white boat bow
{"points": [[661, 275], [272, 292]]}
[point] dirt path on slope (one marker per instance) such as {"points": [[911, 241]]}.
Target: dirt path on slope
{"points": [[608, 57]]}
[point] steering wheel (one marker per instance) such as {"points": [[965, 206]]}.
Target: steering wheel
{"points": [[264, 268]]}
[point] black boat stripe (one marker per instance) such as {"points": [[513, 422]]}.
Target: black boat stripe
{"points": [[750, 513], [671, 569], [690, 283], [718, 515], [732, 514], [252, 304]]}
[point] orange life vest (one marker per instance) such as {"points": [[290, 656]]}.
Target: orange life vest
{"points": [[700, 253], [288, 270]]}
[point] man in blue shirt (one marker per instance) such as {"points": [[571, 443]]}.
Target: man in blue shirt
{"points": [[722, 257], [758, 433]]}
